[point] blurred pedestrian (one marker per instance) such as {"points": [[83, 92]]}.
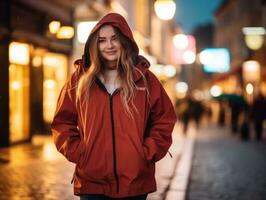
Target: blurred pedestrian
{"points": [[183, 109], [244, 128], [114, 119], [221, 115], [236, 109], [197, 111], [258, 114]]}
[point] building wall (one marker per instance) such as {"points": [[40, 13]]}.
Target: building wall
{"points": [[26, 22], [228, 27], [230, 18]]}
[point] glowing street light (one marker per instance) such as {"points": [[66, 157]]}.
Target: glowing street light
{"points": [[165, 9], [251, 71], [249, 88], [181, 41], [169, 71], [65, 32], [19, 53], [254, 37], [184, 49], [189, 57], [54, 26], [216, 91], [181, 87]]}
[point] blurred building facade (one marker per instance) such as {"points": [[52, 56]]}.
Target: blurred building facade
{"points": [[230, 18], [34, 65], [197, 78]]}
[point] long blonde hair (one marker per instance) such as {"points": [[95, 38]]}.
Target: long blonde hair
{"points": [[125, 67]]}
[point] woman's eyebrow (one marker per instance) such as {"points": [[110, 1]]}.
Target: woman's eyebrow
{"points": [[102, 37]]}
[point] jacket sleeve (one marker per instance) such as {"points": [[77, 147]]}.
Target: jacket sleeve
{"points": [[160, 124], [64, 126]]}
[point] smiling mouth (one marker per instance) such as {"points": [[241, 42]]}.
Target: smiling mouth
{"points": [[110, 52]]}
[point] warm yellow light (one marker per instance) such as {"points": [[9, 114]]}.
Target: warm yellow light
{"points": [[254, 37], [180, 41], [50, 152], [19, 53], [54, 26], [216, 91], [65, 32], [189, 57], [54, 60], [54, 75], [249, 88], [49, 84], [165, 9], [37, 61], [84, 29], [254, 42], [251, 66], [15, 85], [251, 71]]}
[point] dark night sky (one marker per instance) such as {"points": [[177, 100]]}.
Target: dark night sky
{"points": [[191, 13]]}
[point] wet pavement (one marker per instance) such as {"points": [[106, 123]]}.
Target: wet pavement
{"points": [[35, 171], [38, 172], [223, 167], [226, 168]]}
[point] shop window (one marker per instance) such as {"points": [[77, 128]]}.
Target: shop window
{"points": [[19, 91], [55, 75]]}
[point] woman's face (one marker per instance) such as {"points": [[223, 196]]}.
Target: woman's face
{"points": [[109, 45]]}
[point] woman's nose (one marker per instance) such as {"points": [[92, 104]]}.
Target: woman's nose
{"points": [[109, 44]]}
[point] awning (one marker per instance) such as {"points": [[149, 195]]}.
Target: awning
{"points": [[223, 76]]}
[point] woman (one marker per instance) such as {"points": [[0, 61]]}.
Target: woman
{"points": [[113, 119]]}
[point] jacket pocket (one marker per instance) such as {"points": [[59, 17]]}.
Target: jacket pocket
{"points": [[93, 165]]}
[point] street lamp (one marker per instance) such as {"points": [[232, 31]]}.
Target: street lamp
{"points": [[251, 71], [165, 9], [181, 41], [254, 37]]}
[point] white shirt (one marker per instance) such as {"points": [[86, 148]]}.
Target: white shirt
{"points": [[110, 80]]}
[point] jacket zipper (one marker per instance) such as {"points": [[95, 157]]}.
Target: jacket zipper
{"points": [[114, 144]]}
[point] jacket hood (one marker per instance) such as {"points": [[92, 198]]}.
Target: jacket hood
{"points": [[117, 21]]}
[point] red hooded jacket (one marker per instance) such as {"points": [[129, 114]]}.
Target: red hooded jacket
{"points": [[115, 154]]}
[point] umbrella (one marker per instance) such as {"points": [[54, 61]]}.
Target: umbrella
{"points": [[232, 98]]}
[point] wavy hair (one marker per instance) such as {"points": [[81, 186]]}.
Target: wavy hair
{"points": [[125, 67]]}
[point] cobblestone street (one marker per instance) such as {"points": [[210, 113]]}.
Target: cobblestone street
{"points": [[226, 168]]}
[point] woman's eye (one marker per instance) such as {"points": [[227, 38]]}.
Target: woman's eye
{"points": [[100, 41]]}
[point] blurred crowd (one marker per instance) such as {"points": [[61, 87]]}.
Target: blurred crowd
{"points": [[243, 117]]}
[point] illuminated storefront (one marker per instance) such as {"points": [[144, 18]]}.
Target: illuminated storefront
{"points": [[53, 74], [19, 91], [34, 56]]}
